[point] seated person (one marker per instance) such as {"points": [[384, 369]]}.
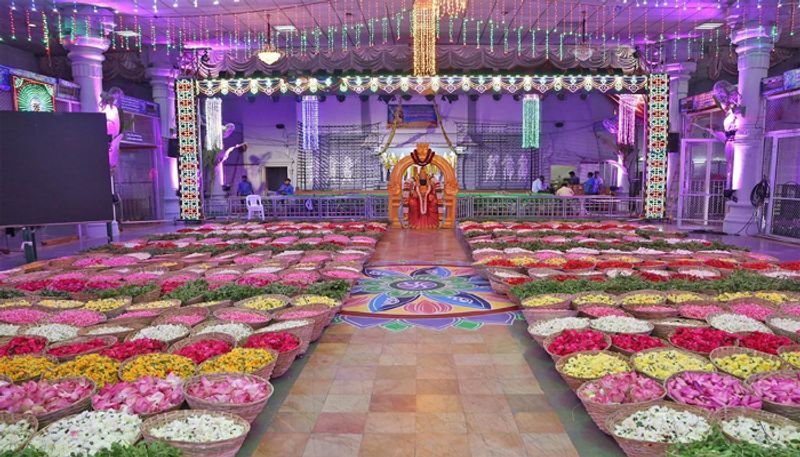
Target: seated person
{"points": [[565, 190], [538, 185], [286, 188]]}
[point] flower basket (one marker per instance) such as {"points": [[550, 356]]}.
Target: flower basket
{"points": [[733, 304], [13, 418], [637, 312], [790, 348], [653, 297], [186, 331], [790, 411], [317, 313], [763, 416], [166, 306], [126, 301], [247, 302], [200, 327], [123, 366], [303, 330], [86, 331], [573, 382], [532, 315], [191, 339], [601, 412], [675, 297], [628, 353], [248, 411], [107, 342], [151, 295], [226, 448], [266, 316], [286, 359], [701, 272], [179, 312], [78, 406], [564, 303], [34, 377], [635, 448], [664, 328], [670, 348], [594, 298], [586, 310], [725, 351], [264, 372], [794, 336], [549, 340], [208, 305]]}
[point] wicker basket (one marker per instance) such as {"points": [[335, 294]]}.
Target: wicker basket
{"points": [[634, 448], [790, 348], [581, 310], [168, 305], [208, 305], [120, 309], [581, 299], [540, 338], [186, 332], [200, 327], [638, 313], [663, 329], [13, 418], [227, 448], [753, 301], [573, 382], [730, 376], [190, 311], [672, 294], [151, 295], [265, 371], [661, 296], [125, 363], [303, 331], [727, 351], [600, 413], [763, 416], [256, 325], [282, 298], [248, 411], [286, 358], [320, 317], [107, 342], [781, 332], [48, 314], [549, 340], [628, 353], [723, 308], [701, 354], [120, 335], [189, 340], [80, 405], [790, 411], [646, 351], [533, 315], [565, 302], [7, 339]]}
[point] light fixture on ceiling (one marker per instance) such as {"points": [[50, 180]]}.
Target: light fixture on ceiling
{"points": [[285, 28], [709, 26], [126, 33], [583, 51], [270, 54]]}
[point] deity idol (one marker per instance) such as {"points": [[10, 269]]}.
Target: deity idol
{"points": [[423, 204]]}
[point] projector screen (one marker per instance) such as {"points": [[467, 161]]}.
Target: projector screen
{"points": [[53, 168]]}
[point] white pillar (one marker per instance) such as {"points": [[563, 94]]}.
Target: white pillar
{"points": [[86, 56], [679, 75], [162, 79], [753, 46]]}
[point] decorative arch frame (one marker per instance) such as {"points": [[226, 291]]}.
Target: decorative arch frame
{"points": [[395, 188]]}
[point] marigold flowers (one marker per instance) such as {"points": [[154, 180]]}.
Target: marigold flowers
{"points": [[792, 357], [262, 303], [315, 300], [662, 364], [100, 369], [24, 366], [106, 304], [158, 365], [592, 366], [542, 300], [242, 360]]}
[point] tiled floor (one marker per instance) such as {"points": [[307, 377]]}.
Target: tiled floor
{"points": [[373, 392]]}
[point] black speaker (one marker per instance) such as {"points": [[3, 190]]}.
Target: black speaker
{"points": [[172, 148], [674, 142]]}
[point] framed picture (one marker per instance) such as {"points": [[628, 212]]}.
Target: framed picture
{"points": [[35, 96], [412, 116]]}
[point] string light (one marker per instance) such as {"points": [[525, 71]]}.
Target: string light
{"points": [[424, 37], [213, 115], [531, 121], [452, 7], [626, 125], [310, 118]]}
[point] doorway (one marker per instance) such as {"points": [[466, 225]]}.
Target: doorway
{"points": [[274, 177], [783, 212], [703, 175]]}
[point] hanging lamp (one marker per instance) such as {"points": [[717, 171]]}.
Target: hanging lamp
{"points": [[270, 54], [423, 30]]}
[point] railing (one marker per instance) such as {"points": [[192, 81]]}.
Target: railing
{"points": [[376, 207]]}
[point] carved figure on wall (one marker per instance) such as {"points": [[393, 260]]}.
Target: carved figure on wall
{"points": [[508, 167], [522, 168], [491, 167]]}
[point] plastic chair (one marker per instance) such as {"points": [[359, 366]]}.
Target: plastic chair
{"points": [[254, 206]]}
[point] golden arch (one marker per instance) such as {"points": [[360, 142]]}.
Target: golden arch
{"points": [[395, 188]]}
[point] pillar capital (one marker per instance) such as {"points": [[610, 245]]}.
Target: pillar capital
{"points": [[162, 75], [88, 49], [680, 70], [86, 56]]}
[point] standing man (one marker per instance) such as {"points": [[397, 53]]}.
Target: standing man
{"points": [[245, 187], [574, 180], [598, 182], [590, 185], [538, 185], [286, 188]]}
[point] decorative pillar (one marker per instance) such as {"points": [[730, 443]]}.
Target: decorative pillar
{"points": [[753, 46], [679, 75], [162, 78], [86, 56]]}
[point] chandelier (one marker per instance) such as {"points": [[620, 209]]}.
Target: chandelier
{"points": [[424, 37], [452, 7], [270, 54]]}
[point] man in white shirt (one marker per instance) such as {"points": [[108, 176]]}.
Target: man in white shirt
{"points": [[538, 185]]}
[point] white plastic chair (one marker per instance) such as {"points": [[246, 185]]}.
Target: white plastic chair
{"points": [[254, 206]]}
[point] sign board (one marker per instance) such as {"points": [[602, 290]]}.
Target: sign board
{"points": [[412, 116]]}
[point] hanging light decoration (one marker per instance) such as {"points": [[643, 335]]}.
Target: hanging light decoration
{"points": [[531, 121], [626, 127], [270, 54], [310, 115], [213, 110], [424, 37], [452, 7]]}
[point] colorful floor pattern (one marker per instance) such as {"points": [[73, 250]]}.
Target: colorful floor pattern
{"points": [[400, 296]]}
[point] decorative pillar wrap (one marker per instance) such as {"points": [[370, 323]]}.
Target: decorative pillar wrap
{"points": [[656, 158], [189, 157]]}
